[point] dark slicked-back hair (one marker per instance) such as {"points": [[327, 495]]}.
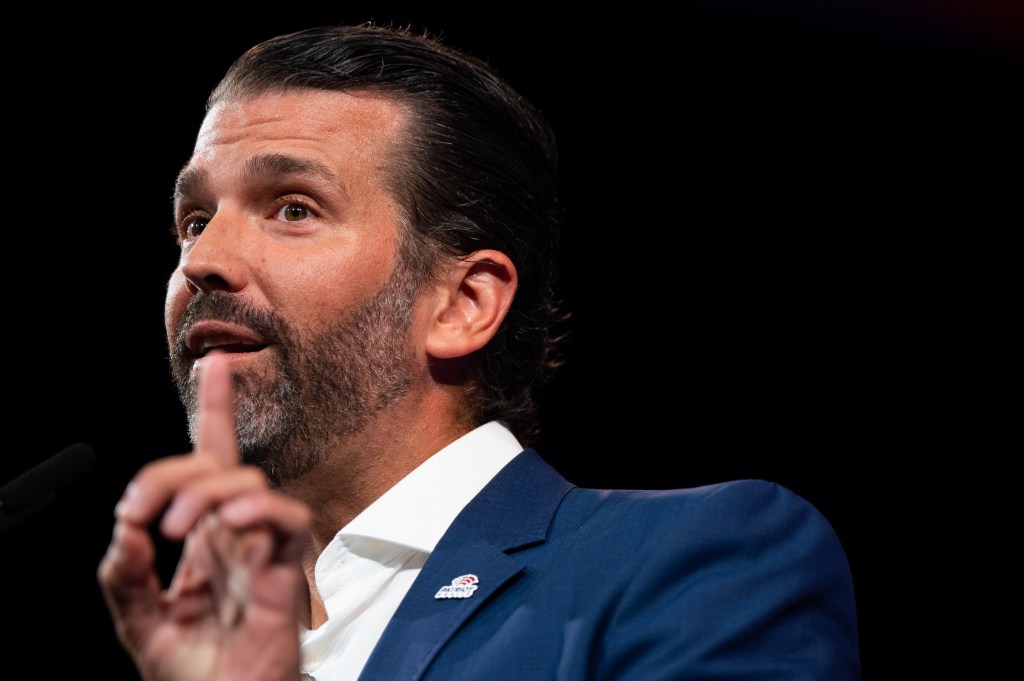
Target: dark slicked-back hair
{"points": [[477, 169]]}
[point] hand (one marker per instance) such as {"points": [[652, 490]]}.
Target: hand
{"points": [[231, 610]]}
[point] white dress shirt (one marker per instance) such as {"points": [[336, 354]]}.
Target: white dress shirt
{"points": [[366, 570]]}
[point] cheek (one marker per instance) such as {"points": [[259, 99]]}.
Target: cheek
{"points": [[174, 303], [315, 298], [323, 290]]}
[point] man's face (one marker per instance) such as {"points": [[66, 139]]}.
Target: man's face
{"points": [[288, 265]]}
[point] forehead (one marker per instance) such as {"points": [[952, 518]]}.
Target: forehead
{"points": [[356, 130]]}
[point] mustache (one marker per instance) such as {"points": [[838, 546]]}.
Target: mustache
{"points": [[222, 306]]}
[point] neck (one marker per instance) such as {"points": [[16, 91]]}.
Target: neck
{"points": [[360, 467]]}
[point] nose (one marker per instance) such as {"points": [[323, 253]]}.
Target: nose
{"points": [[215, 260]]}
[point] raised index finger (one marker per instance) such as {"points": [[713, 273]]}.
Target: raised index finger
{"points": [[215, 421]]}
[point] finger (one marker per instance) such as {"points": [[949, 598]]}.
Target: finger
{"points": [[203, 494], [200, 567], [230, 554], [191, 571], [156, 484], [215, 423], [127, 576], [289, 519], [186, 486]]}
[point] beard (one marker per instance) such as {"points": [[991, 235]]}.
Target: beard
{"points": [[321, 385]]}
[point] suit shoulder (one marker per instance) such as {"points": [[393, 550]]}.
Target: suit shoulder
{"points": [[744, 502], [749, 520], [746, 566]]}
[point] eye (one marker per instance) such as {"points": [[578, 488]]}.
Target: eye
{"points": [[293, 212], [193, 225]]}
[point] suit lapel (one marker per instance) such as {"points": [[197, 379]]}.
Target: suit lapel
{"points": [[513, 511]]}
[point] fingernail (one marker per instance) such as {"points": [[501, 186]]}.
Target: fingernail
{"points": [[234, 511], [174, 518], [128, 504]]}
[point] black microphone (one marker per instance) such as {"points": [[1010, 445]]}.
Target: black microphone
{"points": [[29, 492]]}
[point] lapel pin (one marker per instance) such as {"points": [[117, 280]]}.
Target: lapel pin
{"points": [[461, 587]]}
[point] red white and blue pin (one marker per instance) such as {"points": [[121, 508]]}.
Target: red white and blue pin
{"points": [[461, 587]]}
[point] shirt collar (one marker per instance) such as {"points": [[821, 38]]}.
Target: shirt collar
{"points": [[417, 511]]}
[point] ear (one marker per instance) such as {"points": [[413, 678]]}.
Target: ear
{"points": [[474, 296]]}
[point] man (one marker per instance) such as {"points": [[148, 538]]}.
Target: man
{"points": [[360, 316]]}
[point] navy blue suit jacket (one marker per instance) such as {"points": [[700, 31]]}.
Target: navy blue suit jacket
{"points": [[740, 580]]}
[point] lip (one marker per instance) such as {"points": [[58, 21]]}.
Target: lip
{"points": [[228, 338]]}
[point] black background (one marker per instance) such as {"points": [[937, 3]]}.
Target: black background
{"points": [[774, 216]]}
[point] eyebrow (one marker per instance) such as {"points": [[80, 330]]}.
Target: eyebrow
{"points": [[259, 168]]}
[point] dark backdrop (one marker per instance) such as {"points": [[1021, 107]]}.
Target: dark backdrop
{"points": [[770, 208]]}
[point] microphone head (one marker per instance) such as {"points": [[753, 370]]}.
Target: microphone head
{"points": [[46, 478]]}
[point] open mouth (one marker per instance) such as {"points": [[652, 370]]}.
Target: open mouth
{"points": [[206, 336]]}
